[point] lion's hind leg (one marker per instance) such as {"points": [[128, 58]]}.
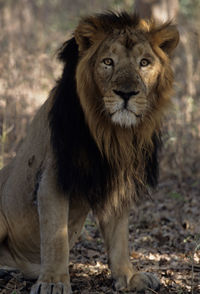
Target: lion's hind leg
{"points": [[8, 263], [6, 259], [3, 227]]}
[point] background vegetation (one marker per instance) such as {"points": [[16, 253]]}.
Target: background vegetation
{"points": [[31, 32]]}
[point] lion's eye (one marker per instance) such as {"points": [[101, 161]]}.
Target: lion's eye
{"points": [[144, 62], [108, 61]]}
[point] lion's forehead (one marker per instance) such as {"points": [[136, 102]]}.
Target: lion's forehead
{"points": [[119, 49], [126, 45]]}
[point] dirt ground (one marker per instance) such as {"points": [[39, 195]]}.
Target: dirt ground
{"points": [[164, 239]]}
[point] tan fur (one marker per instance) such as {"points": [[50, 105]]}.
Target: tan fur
{"points": [[38, 222]]}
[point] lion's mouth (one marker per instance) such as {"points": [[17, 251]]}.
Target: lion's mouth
{"points": [[137, 115], [126, 111]]}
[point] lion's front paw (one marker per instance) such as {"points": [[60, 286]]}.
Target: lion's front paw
{"points": [[139, 282], [142, 281], [50, 288]]}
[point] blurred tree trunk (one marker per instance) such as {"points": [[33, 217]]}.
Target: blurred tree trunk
{"points": [[159, 9]]}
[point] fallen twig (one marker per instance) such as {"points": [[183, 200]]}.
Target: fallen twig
{"points": [[152, 290]]}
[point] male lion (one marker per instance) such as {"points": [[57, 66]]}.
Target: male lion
{"points": [[93, 144]]}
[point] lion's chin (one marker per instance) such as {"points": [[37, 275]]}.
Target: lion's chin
{"points": [[124, 118]]}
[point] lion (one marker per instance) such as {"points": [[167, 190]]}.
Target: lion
{"points": [[92, 146]]}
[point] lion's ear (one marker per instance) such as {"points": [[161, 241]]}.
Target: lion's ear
{"points": [[166, 37], [87, 33]]}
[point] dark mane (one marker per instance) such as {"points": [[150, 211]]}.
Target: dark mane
{"points": [[120, 20], [151, 162], [81, 168]]}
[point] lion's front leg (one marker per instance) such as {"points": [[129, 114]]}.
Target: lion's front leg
{"points": [[53, 216], [115, 233]]}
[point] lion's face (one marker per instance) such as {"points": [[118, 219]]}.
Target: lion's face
{"points": [[126, 72], [124, 78]]}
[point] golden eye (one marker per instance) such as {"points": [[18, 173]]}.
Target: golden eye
{"points": [[108, 61], [144, 62]]}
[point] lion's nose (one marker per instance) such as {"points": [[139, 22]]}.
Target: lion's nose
{"points": [[126, 95]]}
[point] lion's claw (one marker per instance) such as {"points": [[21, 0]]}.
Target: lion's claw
{"points": [[49, 288]]}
